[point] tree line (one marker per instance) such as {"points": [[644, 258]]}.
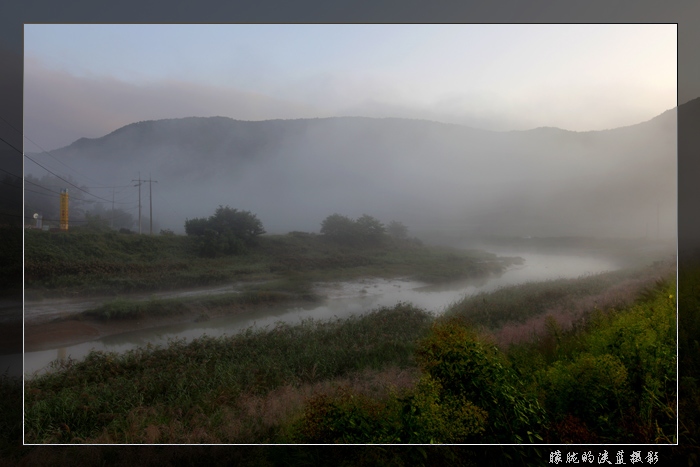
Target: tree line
{"points": [[230, 231]]}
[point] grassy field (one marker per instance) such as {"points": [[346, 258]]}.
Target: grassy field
{"points": [[597, 366], [195, 392], [84, 263], [396, 375]]}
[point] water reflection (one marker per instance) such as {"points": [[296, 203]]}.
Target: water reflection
{"points": [[344, 299]]}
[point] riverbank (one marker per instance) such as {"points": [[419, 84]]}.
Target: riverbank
{"points": [[83, 264], [74, 294], [125, 316], [123, 324], [244, 381]]}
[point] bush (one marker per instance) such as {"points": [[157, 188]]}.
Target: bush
{"points": [[364, 231], [469, 368], [595, 389], [338, 228], [436, 417], [348, 418], [419, 416], [226, 232], [397, 230]]}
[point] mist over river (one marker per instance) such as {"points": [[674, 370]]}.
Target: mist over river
{"points": [[343, 300]]}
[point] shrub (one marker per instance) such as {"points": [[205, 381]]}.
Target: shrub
{"points": [[469, 368], [423, 415], [430, 415], [338, 228], [348, 418], [595, 389], [364, 231], [397, 230], [226, 232]]}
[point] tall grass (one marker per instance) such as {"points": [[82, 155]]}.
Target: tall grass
{"points": [[187, 385], [611, 379], [520, 303], [110, 263], [608, 378], [260, 295]]}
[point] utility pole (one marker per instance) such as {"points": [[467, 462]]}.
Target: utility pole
{"points": [[139, 185], [150, 199], [111, 218]]}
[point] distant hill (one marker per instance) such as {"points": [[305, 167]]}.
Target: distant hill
{"points": [[293, 173]]}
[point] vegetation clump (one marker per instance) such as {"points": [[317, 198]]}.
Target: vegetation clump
{"points": [[611, 379], [366, 230], [228, 231]]}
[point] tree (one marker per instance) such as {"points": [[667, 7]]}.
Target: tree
{"points": [[242, 224], [363, 231], [397, 230], [339, 228], [196, 226], [225, 232], [369, 229]]}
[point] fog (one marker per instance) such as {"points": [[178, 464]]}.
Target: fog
{"points": [[428, 175]]}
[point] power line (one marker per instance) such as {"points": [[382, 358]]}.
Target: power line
{"points": [[41, 186], [54, 174], [44, 150], [71, 184]]}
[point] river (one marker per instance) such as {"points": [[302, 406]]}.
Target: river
{"points": [[343, 299]]}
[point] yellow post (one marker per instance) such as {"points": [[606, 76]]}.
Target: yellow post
{"points": [[64, 209]]}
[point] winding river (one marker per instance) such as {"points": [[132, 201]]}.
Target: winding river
{"points": [[343, 299]]}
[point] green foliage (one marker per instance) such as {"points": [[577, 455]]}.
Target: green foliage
{"points": [[431, 415], [610, 379], [397, 230], [190, 384], [369, 229], [348, 418], [522, 302], [419, 416], [595, 389], [613, 376], [366, 230], [226, 232], [338, 228], [242, 224], [468, 367], [196, 226]]}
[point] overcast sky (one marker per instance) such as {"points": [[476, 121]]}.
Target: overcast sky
{"points": [[88, 80]]}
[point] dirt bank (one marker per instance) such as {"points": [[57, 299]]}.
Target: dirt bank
{"points": [[67, 332]]}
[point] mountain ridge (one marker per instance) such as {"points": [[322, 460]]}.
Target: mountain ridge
{"points": [[82, 140], [294, 172]]}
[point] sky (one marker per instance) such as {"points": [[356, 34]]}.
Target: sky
{"points": [[89, 80]]}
